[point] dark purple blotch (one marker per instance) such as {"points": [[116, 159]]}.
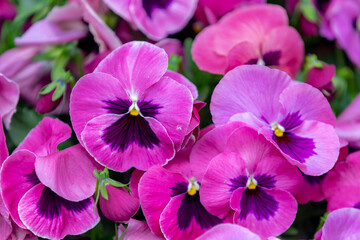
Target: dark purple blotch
{"points": [[190, 208], [150, 5], [130, 129], [32, 178], [271, 58], [298, 148], [357, 205], [263, 180], [49, 204], [259, 203]]}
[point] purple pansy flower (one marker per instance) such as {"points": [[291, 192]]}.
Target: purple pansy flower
{"points": [[155, 18], [170, 200], [228, 231], [137, 230], [249, 180], [293, 116], [143, 117], [37, 183]]}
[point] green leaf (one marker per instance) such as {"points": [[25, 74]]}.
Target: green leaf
{"points": [[103, 191], [23, 121], [309, 11], [59, 92], [115, 183], [174, 62], [48, 88]]}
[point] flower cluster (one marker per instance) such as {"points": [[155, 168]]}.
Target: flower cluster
{"points": [[99, 123]]}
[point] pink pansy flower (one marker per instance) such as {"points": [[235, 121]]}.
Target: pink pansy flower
{"points": [[9, 97], [342, 184], [256, 34], [157, 19], [170, 200], [137, 230], [209, 11], [37, 183], [228, 231], [342, 22], [282, 110], [143, 117], [348, 123], [251, 181], [341, 224]]}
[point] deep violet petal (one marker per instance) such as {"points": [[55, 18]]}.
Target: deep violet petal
{"points": [[238, 182], [258, 202], [263, 180], [150, 5], [313, 180], [298, 148], [127, 130], [191, 207], [119, 106], [291, 121], [357, 205], [49, 205]]}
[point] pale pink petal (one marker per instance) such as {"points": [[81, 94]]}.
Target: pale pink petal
{"points": [[241, 54], [137, 230], [184, 81]]}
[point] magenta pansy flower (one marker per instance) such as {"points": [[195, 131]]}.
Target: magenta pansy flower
{"points": [[157, 19], [342, 22], [228, 231], [342, 184], [282, 110], [321, 78], [37, 183], [143, 117], [348, 123], [9, 97], [256, 34], [251, 181], [170, 200], [341, 224]]}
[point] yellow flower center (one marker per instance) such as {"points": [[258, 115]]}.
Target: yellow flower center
{"points": [[278, 129], [251, 183], [193, 187], [134, 112], [278, 133]]}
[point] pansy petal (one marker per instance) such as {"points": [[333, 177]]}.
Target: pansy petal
{"points": [[228, 231], [121, 8], [88, 93], [50, 216], [9, 97], [185, 218], [155, 190], [184, 81], [175, 117], [242, 53], [288, 41], [17, 177], [203, 52], [345, 196], [103, 35], [118, 212], [137, 230], [313, 147], [238, 92], [301, 98], [44, 138], [265, 212], [3, 148], [147, 144], [137, 65], [68, 173], [158, 19], [210, 145], [216, 186]]}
